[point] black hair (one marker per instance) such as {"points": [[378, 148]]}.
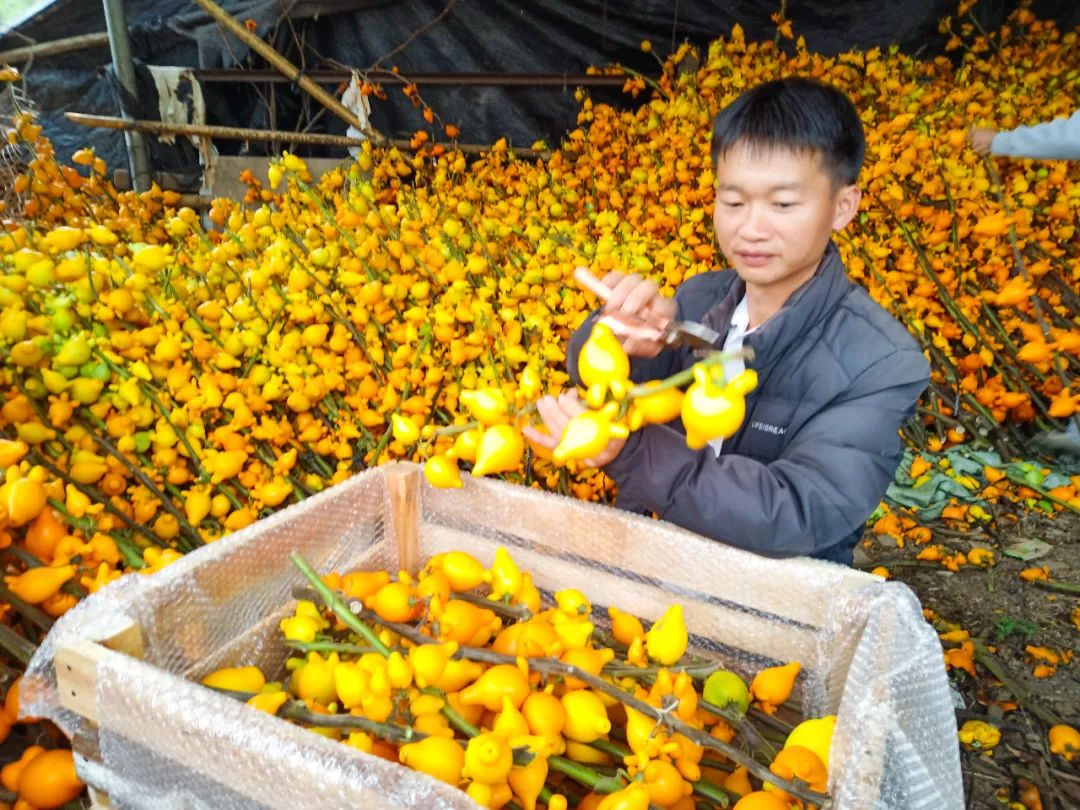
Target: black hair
{"points": [[798, 114]]}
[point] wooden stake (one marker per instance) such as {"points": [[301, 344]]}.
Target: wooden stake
{"points": [[54, 47]]}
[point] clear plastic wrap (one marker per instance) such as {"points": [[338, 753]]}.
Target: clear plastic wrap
{"points": [[164, 741]]}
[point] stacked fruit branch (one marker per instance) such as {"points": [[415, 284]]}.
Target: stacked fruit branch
{"points": [[402, 667]]}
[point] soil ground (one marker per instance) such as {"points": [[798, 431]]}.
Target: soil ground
{"points": [[1007, 614]]}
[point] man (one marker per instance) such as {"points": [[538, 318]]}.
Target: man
{"points": [[1053, 140], [838, 376]]}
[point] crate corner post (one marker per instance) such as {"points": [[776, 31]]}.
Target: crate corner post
{"points": [[76, 664], [403, 485]]}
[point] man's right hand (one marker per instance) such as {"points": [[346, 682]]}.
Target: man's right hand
{"points": [[981, 139], [637, 311]]}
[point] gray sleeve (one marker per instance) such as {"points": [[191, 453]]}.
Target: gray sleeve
{"points": [[828, 480], [1055, 140]]}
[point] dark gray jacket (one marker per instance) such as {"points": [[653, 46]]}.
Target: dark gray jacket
{"points": [[837, 377]]}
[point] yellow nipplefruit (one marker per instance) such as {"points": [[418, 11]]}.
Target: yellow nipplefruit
{"points": [[624, 626], [1065, 741], [314, 680], [236, 679], [436, 756], [488, 759], [500, 450], [634, 796], [667, 639], [502, 680], [463, 570], [815, 734], [38, 584], [545, 715], [772, 686], [441, 471], [269, 702], [429, 661], [586, 717]]}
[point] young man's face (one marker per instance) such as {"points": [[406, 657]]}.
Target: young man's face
{"points": [[775, 212]]}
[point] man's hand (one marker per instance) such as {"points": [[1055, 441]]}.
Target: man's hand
{"points": [[556, 413], [981, 138], [636, 309]]}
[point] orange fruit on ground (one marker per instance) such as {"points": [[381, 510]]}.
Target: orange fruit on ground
{"points": [[50, 780]]}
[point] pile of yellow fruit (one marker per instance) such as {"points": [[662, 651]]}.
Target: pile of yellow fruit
{"points": [[460, 673]]}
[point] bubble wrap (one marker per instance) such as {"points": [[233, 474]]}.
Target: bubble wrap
{"points": [[165, 741]]}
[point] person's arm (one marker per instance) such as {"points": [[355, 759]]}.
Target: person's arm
{"points": [[829, 479], [1054, 140]]}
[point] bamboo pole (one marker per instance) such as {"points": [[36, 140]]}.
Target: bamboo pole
{"points": [[54, 47], [244, 134], [287, 68]]}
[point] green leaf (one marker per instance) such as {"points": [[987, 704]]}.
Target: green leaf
{"points": [[142, 441], [1008, 625], [1027, 550]]}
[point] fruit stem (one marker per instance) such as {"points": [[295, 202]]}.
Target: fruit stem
{"points": [[338, 606]]}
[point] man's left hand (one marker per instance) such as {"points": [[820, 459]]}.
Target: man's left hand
{"points": [[556, 413]]}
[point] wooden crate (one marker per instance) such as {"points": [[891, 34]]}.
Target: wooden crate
{"points": [[748, 610]]}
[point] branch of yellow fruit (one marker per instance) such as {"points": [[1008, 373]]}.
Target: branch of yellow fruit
{"points": [[267, 458], [1021, 265], [1065, 265], [741, 723], [99, 497], [703, 787], [298, 711], [948, 301], [1016, 478], [29, 612], [505, 609], [338, 606], [132, 556], [684, 377], [1057, 585], [649, 81], [328, 300], [151, 394], [387, 435], [553, 666], [166, 502], [20, 648], [676, 380], [30, 561], [352, 620], [329, 646], [594, 780], [1022, 695], [939, 361]]}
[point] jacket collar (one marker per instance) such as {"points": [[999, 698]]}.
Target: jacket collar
{"points": [[805, 307]]}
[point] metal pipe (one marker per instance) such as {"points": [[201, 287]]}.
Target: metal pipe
{"points": [[567, 80], [120, 48]]}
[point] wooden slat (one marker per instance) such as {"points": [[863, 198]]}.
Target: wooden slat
{"points": [[76, 668]]}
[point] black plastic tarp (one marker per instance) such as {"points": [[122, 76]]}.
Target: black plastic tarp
{"points": [[541, 36]]}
